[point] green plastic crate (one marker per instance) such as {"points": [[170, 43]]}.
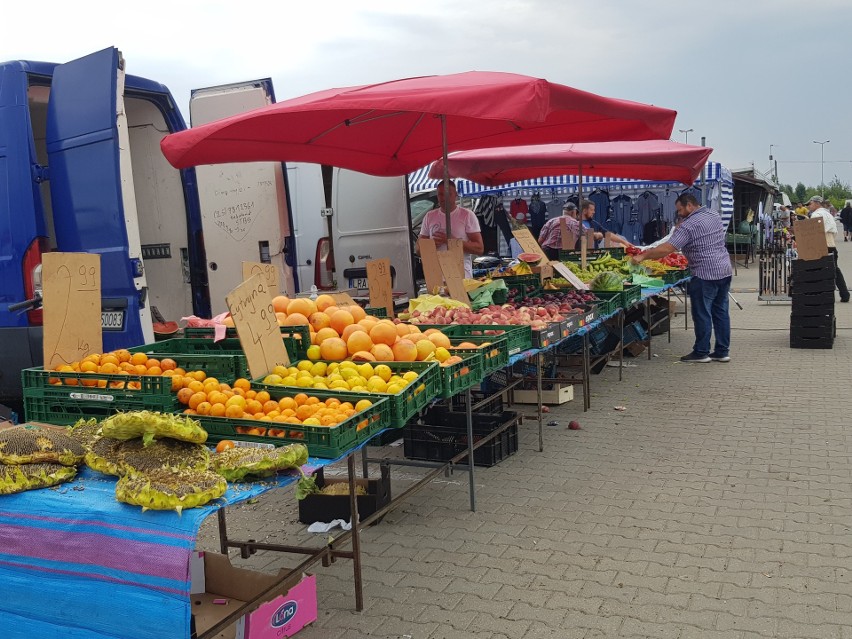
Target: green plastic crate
{"points": [[322, 441], [296, 338], [630, 295], [527, 285], [518, 338], [377, 311], [223, 366], [454, 379], [64, 405], [495, 356], [228, 346], [403, 405], [608, 302], [670, 277]]}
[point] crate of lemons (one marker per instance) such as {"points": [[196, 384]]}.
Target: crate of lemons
{"points": [[363, 377]]}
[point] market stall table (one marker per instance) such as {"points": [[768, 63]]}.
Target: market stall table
{"points": [[78, 564]]}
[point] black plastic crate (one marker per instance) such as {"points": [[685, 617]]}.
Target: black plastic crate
{"points": [[817, 286], [807, 301], [813, 332], [634, 332], [811, 319], [440, 435], [809, 270], [494, 406], [811, 342], [603, 340], [326, 508], [546, 336]]}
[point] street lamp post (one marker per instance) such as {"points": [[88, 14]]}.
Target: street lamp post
{"points": [[775, 173], [686, 133], [822, 166]]}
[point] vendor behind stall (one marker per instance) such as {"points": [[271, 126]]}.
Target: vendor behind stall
{"points": [[587, 214]]}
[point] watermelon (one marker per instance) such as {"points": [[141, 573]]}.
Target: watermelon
{"points": [[530, 258]]}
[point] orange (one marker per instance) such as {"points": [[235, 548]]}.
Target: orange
{"points": [[300, 398], [425, 347], [328, 420], [333, 349], [357, 312], [312, 401], [196, 399], [184, 394], [122, 354], [155, 370], [286, 402], [225, 444], [88, 367], [402, 329], [250, 394], [302, 305], [262, 396], [212, 382], [347, 332], [139, 369], [195, 386], [289, 412], [340, 320], [280, 317], [326, 333], [324, 301], [296, 319], [199, 375], [364, 356], [234, 411], [253, 407], [217, 410], [203, 408], [280, 302], [303, 412], [404, 351], [177, 383], [319, 320], [109, 368], [150, 363], [168, 364], [217, 397], [239, 391], [332, 402], [236, 400], [269, 406], [439, 339], [126, 366], [382, 353], [88, 381], [189, 411], [331, 310], [243, 383], [383, 334], [358, 341], [110, 359], [180, 371]]}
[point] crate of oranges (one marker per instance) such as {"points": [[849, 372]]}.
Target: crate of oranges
{"points": [[100, 385], [408, 386], [326, 422]]}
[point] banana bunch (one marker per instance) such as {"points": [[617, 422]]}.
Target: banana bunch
{"points": [[607, 262]]}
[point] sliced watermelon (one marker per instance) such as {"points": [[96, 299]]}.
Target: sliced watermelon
{"points": [[530, 258]]}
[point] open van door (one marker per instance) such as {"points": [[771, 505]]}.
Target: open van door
{"points": [[244, 206], [91, 188]]}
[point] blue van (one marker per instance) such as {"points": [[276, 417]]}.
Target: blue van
{"points": [[69, 182]]}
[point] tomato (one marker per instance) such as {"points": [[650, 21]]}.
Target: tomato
{"points": [[225, 444]]}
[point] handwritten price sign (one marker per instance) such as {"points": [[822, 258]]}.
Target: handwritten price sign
{"points": [[269, 272], [379, 283], [250, 305], [72, 307]]}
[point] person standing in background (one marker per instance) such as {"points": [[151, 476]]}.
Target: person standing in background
{"points": [[817, 209], [464, 226], [846, 220], [550, 238], [587, 216]]}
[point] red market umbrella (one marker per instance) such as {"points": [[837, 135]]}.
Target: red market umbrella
{"points": [[396, 127], [659, 160]]}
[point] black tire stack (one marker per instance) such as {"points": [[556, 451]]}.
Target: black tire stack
{"points": [[812, 321]]}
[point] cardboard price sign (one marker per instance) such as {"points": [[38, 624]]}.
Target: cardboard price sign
{"points": [[452, 267], [343, 299], [527, 241], [379, 284], [251, 308], [568, 274], [72, 307], [269, 272], [810, 239], [431, 266], [566, 237]]}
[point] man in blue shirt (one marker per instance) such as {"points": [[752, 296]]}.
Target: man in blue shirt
{"points": [[587, 214]]}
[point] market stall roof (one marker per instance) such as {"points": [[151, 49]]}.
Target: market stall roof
{"points": [[395, 127], [659, 160]]}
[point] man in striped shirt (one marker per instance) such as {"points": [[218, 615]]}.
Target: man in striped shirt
{"points": [[700, 236]]}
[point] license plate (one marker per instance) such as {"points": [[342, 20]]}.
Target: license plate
{"points": [[358, 283], [112, 320]]}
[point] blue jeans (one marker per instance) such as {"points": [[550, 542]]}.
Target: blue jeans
{"points": [[709, 299]]}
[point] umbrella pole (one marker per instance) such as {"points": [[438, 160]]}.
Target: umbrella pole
{"points": [[447, 209]]}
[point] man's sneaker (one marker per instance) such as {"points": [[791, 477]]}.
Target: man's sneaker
{"points": [[720, 358], [695, 358]]}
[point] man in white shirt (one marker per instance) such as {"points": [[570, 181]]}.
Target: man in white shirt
{"points": [[816, 208], [464, 226]]}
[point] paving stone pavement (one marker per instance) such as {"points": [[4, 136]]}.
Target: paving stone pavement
{"points": [[719, 504]]}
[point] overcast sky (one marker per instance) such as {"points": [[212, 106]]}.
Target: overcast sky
{"points": [[743, 73]]}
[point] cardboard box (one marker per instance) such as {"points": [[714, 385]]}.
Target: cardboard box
{"points": [[327, 508], [810, 239], [293, 606], [555, 397]]}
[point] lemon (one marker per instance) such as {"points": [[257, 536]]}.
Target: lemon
{"points": [[359, 389], [410, 376], [319, 369], [320, 385], [393, 389], [304, 365], [395, 379], [313, 352], [376, 384], [288, 381], [311, 421], [363, 404], [353, 382], [338, 383], [442, 354], [366, 370], [304, 374], [348, 373], [335, 377], [304, 382], [272, 379], [281, 371], [293, 371], [383, 371], [349, 365], [332, 368]]}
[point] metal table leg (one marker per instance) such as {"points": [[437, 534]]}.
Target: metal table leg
{"points": [[648, 320], [470, 462], [587, 373], [356, 535], [621, 346], [365, 466], [539, 366], [669, 302]]}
